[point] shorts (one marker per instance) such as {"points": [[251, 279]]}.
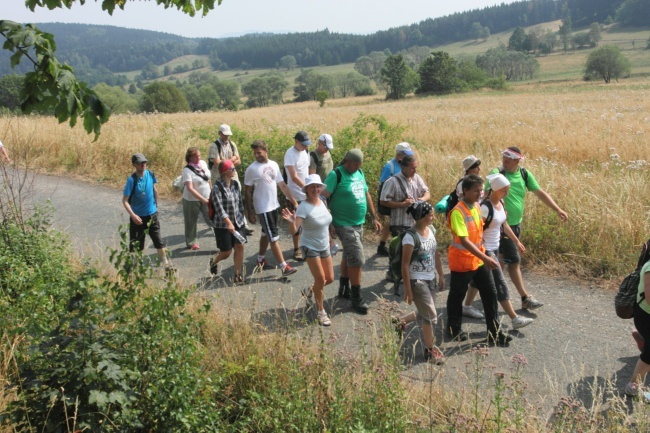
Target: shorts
{"points": [[137, 232], [226, 240], [423, 296], [507, 247], [269, 223], [309, 253], [398, 230], [352, 241]]}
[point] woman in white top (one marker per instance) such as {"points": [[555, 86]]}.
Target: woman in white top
{"points": [[313, 219], [422, 276], [196, 178], [499, 187]]}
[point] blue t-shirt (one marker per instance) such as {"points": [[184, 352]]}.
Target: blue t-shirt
{"points": [[143, 202], [391, 168]]}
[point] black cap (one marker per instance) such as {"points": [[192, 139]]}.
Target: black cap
{"points": [[138, 158], [302, 137]]}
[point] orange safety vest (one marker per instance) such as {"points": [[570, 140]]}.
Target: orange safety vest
{"points": [[460, 259]]}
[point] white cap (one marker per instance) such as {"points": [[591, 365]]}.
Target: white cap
{"points": [[327, 139], [225, 129], [497, 181], [312, 179], [404, 147]]}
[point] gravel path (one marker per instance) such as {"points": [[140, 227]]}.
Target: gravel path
{"points": [[576, 340]]}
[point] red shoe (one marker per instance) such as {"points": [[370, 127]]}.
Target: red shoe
{"points": [[288, 270]]}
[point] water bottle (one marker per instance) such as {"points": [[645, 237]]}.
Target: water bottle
{"points": [[239, 237]]}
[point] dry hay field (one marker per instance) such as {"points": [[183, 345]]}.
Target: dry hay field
{"points": [[586, 143]]}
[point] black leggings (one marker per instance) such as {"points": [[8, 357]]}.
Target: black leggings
{"points": [[484, 282], [642, 324]]}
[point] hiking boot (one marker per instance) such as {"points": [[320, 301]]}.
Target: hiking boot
{"points": [[434, 356], [308, 294], [501, 339], [472, 312], [520, 322], [297, 255], [459, 335], [263, 265], [249, 231], [382, 250], [358, 303], [214, 267], [288, 270], [344, 292], [323, 319], [638, 338], [530, 303]]}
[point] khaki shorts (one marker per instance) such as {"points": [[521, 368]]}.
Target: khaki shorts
{"points": [[352, 240], [423, 296]]}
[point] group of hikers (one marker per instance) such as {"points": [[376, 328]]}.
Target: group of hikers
{"points": [[326, 203]]}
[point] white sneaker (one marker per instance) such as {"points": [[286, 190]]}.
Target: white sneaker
{"points": [[323, 319], [308, 294], [520, 322], [631, 390], [472, 312]]}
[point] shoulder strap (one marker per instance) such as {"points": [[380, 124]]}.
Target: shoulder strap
{"points": [[201, 174], [401, 185], [490, 215], [135, 183], [416, 241], [524, 175], [315, 158]]}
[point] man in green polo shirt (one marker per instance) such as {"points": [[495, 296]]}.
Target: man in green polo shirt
{"points": [[521, 181], [349, 202]]}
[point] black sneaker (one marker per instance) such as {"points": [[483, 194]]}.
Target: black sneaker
{"points": [[459, 336], [501, 340], [214, 267], [249, 231], [382, 250]]}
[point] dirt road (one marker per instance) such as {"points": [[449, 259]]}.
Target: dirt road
{"points": [[575, 341]]}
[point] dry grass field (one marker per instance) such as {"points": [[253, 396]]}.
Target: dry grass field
{"points": [[586, 143]]}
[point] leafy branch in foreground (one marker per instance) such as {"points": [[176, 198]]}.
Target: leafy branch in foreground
{"points": [[186, 6], [51, 85]]}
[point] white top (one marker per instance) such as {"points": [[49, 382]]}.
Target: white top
{"points": [[300, 160], [492, 234], [1, 144], [200, 185], [264, 177], [423, 266], [315, 227]]}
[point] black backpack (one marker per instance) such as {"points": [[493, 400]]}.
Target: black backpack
{"points": [[384, 210], [626, 298], [210, 163], [490, 215], [522, 171]]}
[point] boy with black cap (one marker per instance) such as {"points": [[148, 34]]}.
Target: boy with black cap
{"points": [[140, 200], [296, 164]]}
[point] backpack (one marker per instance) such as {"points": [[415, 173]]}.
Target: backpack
{"points": [[384, 210], [522, 171], [218, 144], [395, 251], [626, 298], [490, 215]]}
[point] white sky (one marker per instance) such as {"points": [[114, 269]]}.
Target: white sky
{"points": [[234, 17]]}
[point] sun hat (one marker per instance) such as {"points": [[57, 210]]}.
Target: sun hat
{"points": [[354, 155], [404, 148], [138, 158], [312, 179], [470, 162], [327, 139], [513, 152], [225, 129], [225, 165], [302, 137], [497, 181]]}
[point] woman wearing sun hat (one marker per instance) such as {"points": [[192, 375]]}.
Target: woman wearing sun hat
{"points": [[313, 219]]}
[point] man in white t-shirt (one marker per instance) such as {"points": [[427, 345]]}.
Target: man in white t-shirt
{"points": [[262, 179], [296, 164]]}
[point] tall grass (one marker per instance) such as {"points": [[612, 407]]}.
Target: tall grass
{"points": [[587, 145]]}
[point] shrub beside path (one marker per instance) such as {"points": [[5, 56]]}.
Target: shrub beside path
{"points": [[575, 343]]}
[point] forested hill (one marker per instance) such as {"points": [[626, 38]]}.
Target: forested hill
{"points": [[99, 49]]}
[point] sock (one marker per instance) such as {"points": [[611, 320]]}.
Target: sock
{"points": [[344, 282], [283, 265], [523, 298], [260, 258], [162, 257], [322, 312]]}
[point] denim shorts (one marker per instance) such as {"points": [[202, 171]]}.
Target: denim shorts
{"points": [[309, 253]]}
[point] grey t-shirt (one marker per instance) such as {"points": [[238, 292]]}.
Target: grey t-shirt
{"points": [[315, 227]]}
